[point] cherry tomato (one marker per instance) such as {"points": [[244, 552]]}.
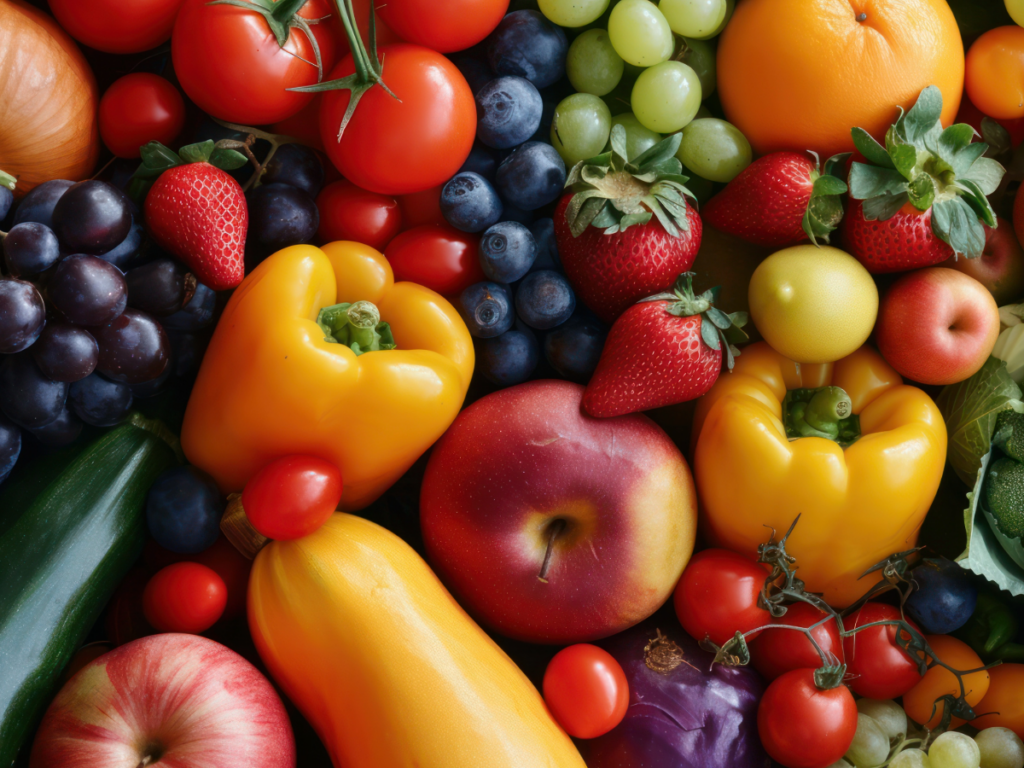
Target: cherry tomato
{"points": [[777, 651], [802, 726], [920, 701], [717, 596], [350, 213], [994, 76], [973, 116], [878, 668], [586, 691], [292, 496], [184, 597], [229, 63], [421, 208], [1003, 705], [117, 26], [450, 26], [409, 144], [139, 108], [222, 557], [438, 256]]}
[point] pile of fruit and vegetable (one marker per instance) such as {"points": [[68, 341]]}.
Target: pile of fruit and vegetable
{"points": [[530, 384]]}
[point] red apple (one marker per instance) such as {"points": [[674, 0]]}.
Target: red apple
{"points": [[552, 526], [1000, 268], [176, 700], [937, 325]]}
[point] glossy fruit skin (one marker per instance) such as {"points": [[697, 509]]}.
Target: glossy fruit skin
{"points": [[717, 596], [350, 213], [297, 166], [99, 401], [545, 300], [92, 217], [453, 26], [400, 147], [183, 510], [280, 215], [802, 726], [880, 669], [60, 432], [22, 315], [134, 348], [10, 446], [509, 110], [469, 202], [904, 242], [229, 63], [184, 597], [1003, 696], [1000, 268], [798, 75], [777, 651], [611, 272], [30, 248], [531, 177], [116, 26], [945, 597], [38, 204], [487, 309], [586, 690], [27, 397], [419, 208], [436, 256], [292, 496], [993, 76], [66, 352], [139, 108], [919, 700], [527, 45]]}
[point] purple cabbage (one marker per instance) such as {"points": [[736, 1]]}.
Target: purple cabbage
{"points": [[683, 713]]}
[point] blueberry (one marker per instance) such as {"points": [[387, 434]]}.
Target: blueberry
{"points": [[38, 204], [62, 431], [6, 201], [195, 315], [99, 401], [183, 510], [508, 359], [476, 72], [279, 215], [27, 397], [487, 309], [545, 300], [482, 160], [92, 217], [511, 213], [297, 166], [532, 176], [543, 231], [469, 202], [510, 110], [10, 445], [526, 44], [574, 348], [945, 598], [125, 254], [507, 251]]}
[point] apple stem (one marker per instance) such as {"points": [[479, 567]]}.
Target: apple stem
{"points": [[554, 531], [145, 761]]}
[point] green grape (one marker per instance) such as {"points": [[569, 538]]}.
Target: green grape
{"points": [[1016, 10], [840, 763], [714, 149], [700, 56], [910, 758], [954, 750], [1000, 747], [702, 113], [640, 33], [580, 127], [666, 97], [888, 714], [592, 64], [730, 6], [698, 19], [870, 746], [572, 13], [638, 138]]}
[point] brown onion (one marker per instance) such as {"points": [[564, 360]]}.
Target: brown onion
{"points": [[48, 94]]}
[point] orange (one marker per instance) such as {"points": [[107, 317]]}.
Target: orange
{"points": [[920, 701], [995, 73], [799, 74]]}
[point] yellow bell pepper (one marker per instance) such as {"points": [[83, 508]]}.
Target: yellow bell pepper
{"points": [[858, 504], [274, 382]]}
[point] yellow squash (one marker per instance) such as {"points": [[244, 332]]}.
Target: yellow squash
{"points": [[391, 672]]}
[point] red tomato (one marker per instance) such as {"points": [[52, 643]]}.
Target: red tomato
{"points": [[778, 651], [586, 691], [421, 208], [304, 125], [994, 73], [350, 213], [229, 63], [222, 557], [292, 496], [450, 26], [717, 596], [802, 726], [117, 26], [184, 597], [137, 109], [438, 256], [394, 146], [877, 667]]}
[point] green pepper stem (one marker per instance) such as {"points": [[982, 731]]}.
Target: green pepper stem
{"points": [[825, 412], [363, 318]]}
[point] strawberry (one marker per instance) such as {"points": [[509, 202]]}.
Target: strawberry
{"points": [[195, 210], [779, 200], [664, 350], [923, 196], [627, 230]]}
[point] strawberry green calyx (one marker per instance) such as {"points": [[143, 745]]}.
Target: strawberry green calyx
{"points": [[718, 329], [825, 208], [930, 168], [613, 194], [6, 180], [156, 158]]}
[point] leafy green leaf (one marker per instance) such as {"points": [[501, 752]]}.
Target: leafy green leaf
{"points": [[156, 156], [922, 192], [709, 333], [228, 159], [986, 173], [658, 210], [197, 153], [923, 117], [867, 181], [958, 224], [835, 165], [996, 136], [884, 207], [966, 157], [719, 318], [873, 151], [618, 141], [663, 150], [630, 219], [904, 157], [954, 139], [978, 202]]}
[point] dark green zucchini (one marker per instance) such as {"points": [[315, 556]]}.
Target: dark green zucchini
{"points": [[71, 530]]}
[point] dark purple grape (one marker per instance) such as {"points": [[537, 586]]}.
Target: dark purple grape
{"points": [[30, 248], [187, 351], [87, 290], [22, 315], [28, 398], [155, 386], [125, 254], [92, 217], [133, 348], [161, 287], [297, 166], [99, 401], [6, 201], [38, 204], [66, 352], [197, 314], [279, 215], [10, 445], [62, 431]]}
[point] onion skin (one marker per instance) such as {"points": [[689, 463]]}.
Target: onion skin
{"points": [[48, 125], [695, 716]]}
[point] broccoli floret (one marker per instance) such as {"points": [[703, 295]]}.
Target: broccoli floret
{"points": [[1009, 434], [1004, 495]]}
